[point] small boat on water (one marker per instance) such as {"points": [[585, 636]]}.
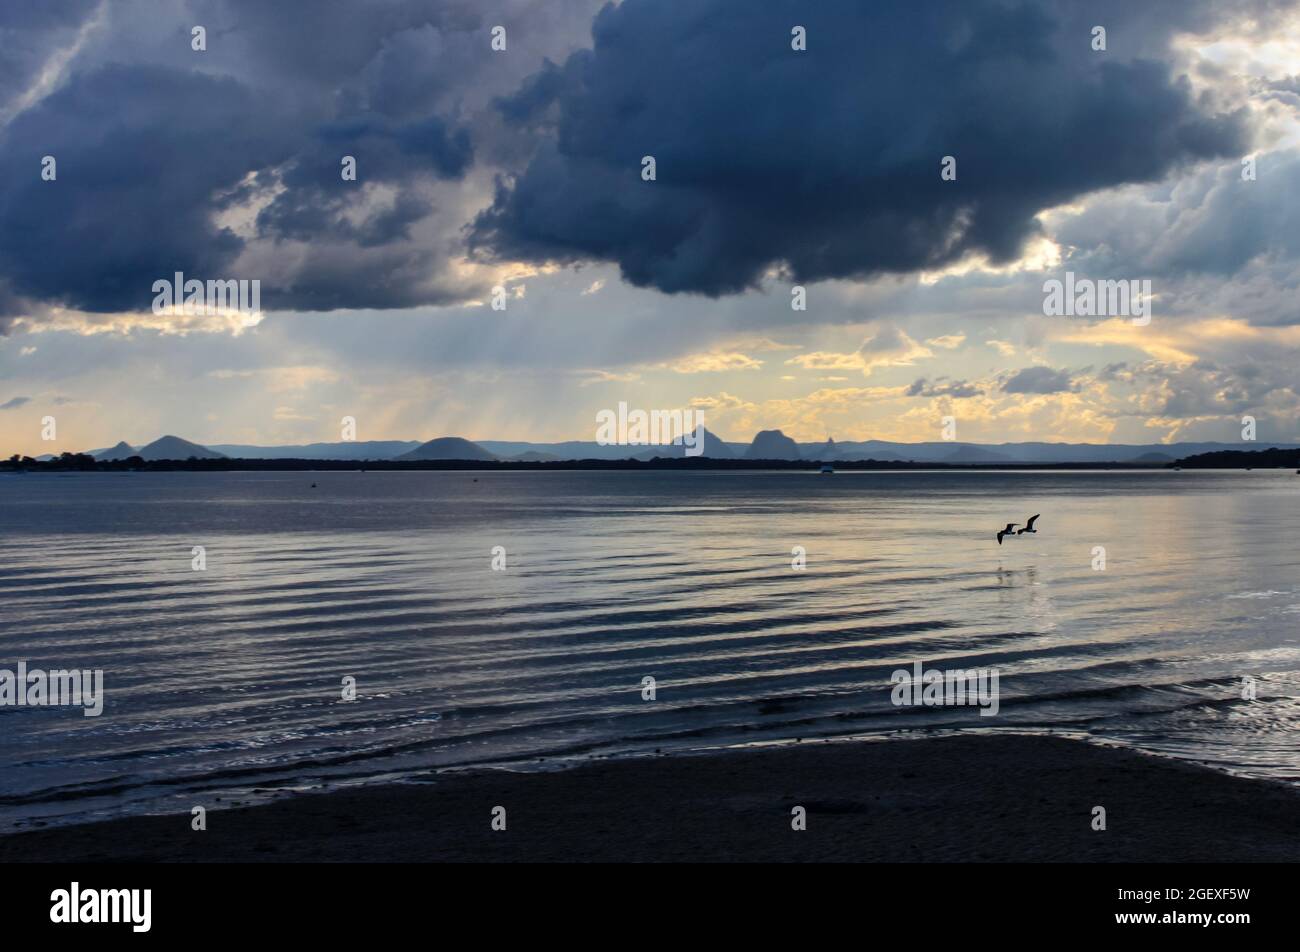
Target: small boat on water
{"points": [[827, 468]]}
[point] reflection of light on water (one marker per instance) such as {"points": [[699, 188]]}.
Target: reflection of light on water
{"points": [[228, 679]]}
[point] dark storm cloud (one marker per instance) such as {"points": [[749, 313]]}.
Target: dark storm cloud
{"points": [[148, 154], [330, 43], [141, 152], [1038, 380], [312, 204], [27, 33], [15, 403], [173, 159], [826, 162], [47, 15]]}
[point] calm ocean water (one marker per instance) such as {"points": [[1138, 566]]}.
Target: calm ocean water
{"points": [[228, 680]]}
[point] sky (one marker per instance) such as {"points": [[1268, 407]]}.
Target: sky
{"points": [[1171, 156]]}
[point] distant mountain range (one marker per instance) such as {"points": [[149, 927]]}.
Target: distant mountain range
{"points": [[766, 445], [450, 447], [166, 447], [369, 449]]}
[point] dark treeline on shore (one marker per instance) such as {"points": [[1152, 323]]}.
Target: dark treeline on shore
{"points": [[83, 462], [1243, 459]]}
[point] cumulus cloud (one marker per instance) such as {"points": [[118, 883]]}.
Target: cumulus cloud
{"points": [[591, 377], [715, 363], [1212, 241], [888, 347], [1038, 380], [943, 387], [721, 402]]}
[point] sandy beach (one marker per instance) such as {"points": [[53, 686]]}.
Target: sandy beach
{"points": [[950, 799]]}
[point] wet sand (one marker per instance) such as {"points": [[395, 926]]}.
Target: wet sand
{"points": [[969, 798]]}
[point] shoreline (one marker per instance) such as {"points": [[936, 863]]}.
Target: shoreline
{"points": [[964, 798], [688, 464]]}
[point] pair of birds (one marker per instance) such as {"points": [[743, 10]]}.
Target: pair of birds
{"points": [[1012, 530]]}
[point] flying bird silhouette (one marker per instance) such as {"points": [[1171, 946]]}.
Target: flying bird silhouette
{"points": [[1030, 526], [1006, 531]]}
